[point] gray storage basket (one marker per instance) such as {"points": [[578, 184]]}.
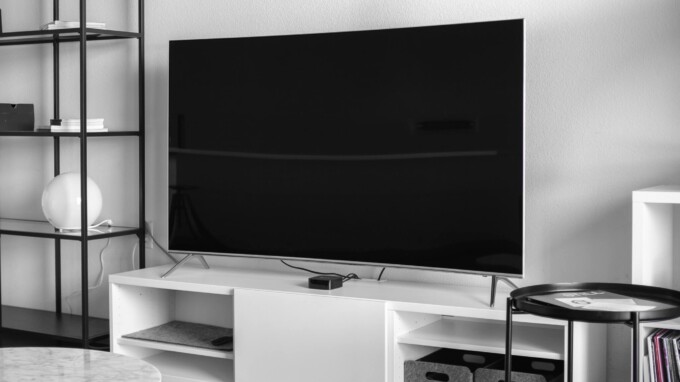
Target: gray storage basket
{"points": [[526, 369], [449, 365]]}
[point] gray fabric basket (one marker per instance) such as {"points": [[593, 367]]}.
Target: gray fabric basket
{"points": [[526, 369], [417, 371], [447, 365]]}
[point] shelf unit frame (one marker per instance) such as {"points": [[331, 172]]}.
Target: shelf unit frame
{"points": [[655, 259], [88, 325]]}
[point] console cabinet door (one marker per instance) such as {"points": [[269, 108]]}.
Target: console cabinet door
{"points": [[298, 337]]}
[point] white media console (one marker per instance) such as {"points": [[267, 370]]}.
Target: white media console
{"points": [[364, 331]]}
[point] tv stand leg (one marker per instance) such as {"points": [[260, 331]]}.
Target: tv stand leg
{"points": [[183, 261], [494, 284]]}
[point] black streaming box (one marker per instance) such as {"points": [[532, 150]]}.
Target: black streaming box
{"points": [[325, 282]]}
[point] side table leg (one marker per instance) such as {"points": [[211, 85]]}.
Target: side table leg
{"points": [[636, 346], [570, 351], [508, 340]]}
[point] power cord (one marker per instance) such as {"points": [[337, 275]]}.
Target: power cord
{"points": [[100, 277], [147, 232], [381, 272], [349, 276], [133, 257], [108, 222]]}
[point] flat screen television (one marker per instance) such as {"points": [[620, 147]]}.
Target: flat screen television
{"points": [[398, 147]]}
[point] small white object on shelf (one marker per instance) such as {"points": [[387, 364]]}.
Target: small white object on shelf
{"points": [[73, 125], [61, 24]]}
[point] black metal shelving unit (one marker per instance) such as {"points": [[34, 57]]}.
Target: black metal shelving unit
{"points": [[56, 324]]}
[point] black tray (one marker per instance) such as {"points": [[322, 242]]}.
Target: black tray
{"points": [[668, 299]]}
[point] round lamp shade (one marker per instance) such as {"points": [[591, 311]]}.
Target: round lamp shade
{"points": [[61, 201]]}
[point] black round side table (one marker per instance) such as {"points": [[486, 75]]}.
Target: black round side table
{"points": [[532, 300]]}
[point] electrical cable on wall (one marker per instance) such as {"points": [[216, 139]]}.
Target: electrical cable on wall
{"points": [[100, 277], [136, 247]]}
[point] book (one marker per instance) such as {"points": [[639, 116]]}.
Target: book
{"points": [[666, 357], [61, 24], [73, 125], [63, 129], [651, 352], [597, 300], [676, 352], [659, 357]]}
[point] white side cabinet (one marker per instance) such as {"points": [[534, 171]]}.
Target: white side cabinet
{"points": [[655, 257], [655, 237], [364, 331]]}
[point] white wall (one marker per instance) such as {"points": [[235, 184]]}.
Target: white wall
{"points": [[602, 89]]}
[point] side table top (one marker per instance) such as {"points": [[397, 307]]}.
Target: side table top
{"points": [[66, 364], [665, 302]]}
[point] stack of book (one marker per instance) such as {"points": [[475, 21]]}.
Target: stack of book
{"points": [[663, 356], [73, 125], [61, 24]]}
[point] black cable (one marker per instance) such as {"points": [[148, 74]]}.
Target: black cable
{"points": [[381, 272], [349, 276]]}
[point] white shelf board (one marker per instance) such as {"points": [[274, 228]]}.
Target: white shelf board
{"points": [[486, 336], [175, 367], [669, 194], [668, 324], [177, 348]]}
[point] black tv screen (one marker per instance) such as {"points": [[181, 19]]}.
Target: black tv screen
{"points": [[398, 147]]}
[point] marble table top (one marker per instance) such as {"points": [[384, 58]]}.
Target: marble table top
{"points": [[72, 365]]}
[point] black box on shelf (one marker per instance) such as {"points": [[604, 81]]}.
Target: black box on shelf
{"points": [[525, 369], [16, 117], [447, 365]]}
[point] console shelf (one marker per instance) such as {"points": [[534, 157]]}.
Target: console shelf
{"points": [[185, 367], [177, 348], [364, 331]]}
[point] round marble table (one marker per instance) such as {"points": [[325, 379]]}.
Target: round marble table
{"points": [[73, 365]]}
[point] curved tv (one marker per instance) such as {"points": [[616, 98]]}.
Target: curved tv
{"points": [[399, 147]]}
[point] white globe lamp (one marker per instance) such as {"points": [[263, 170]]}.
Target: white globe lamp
{"points": [[61, 202]]}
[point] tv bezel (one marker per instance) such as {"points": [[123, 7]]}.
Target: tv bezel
{"points": [[395, 265]]}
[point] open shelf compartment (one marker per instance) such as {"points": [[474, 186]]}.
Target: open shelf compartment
{"points": [[222, 354], [177, 367], [140, 307], [529, 340]]}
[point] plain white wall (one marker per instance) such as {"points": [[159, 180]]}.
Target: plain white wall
{"points": [[602, 89]]}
